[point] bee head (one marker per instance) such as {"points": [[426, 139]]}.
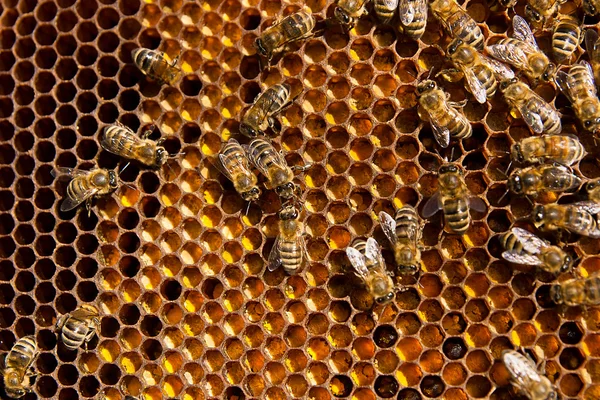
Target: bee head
{"points": [[426, 86], [556, 294], [342, 16], [161, 156], [591, 185], [567, 261], [288, 212], [385, 299], [449, 168], [516, 153], [515, 184], [112, 179], [258, 45], [286, 190], [533, 15], [549, 72], [252, 194], [454, 46], [247, 130], [507, 82]]}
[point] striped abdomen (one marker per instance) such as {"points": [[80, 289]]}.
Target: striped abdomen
{"points": [[120, 141], [297, 25], [580, 222], [592, 290], [153, 64], [456, 213], [22, 353], [74, 332], [407, 221], [234, 161], [565, 38], [487, 78], [445, 115], [78, 187], [549, 116], [463, 27], [290, 254], [511, 242], [416, 28]]}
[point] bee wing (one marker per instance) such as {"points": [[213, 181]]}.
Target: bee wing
{"points": [[358, 262], [564, 84], [532, 119], [590, 207], [117, 145], [476, 87], [388, 225], [531, 243], [520, 258], [274, 259], [591, 40], [557, 174], [372, 250], [440, 133], [432, 206], [500, 70], [407, 10], [510, 54], [238, 163], [588, 79], [278, 160], [69, 203], [66, 173], [522, 31], [477, 204]]}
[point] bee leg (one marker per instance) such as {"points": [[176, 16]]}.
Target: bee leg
{"points": [[146, 134], [457, 104], [274, 124], [176, 59], [88, 207], [301, 168], [450, 74], [89, 337]]}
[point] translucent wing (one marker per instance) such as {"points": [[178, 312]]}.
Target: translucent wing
{"points": [[233, 161], [123, 145], [522, 31], [519, 258], [407, 11], [591, 40], [589, 78], [372, 250], [556, 176], [358, 262], [500, 70], [531, 243], [475, 86], [70, 203], [277, 159], [440, 133], [388, 225], [590, 207], [564, 83], [432, 206], [274, 259], [477, 204], [532, 119], [509, 54], [66, 173]]}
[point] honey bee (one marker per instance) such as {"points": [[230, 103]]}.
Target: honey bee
{"points": [[590, 7], [593, 190], [385, 9], [538, 12], [260, 115], [566, 36], [413, 17], [18, 367], [480, 72], [522, 52], [271, 164], [543, 178], [78, 327], [155, 65], [561, 149], [85, 185], [294, 27], [289, 249], [578, 86], [404, 234], [525, 376], [367, 261], [575, 292], [453, 198], [537, 114], [234, 164], [457, 22], [592, 46], [445, 117], [348, 11], [122, 141], [523, 247], [576, 218]]}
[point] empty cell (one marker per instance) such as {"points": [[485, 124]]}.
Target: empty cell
{"points": [[478, 386]]}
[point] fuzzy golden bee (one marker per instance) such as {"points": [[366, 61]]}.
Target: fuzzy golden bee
{"points": [[413, 17], [122, 141], [592, 46], [385, 10], [522, 52], [404, 233], [541, 179], [289, 249], [457, 22], [348, 11], [234, 164], [592, 188], [273, 166], [579, 87], [446, 118], [535, 111], [561, 149], [260, 115], [155, 65], [481, 73], [590, 7], [566, 36], [453, 199], [539, 12], [85, 185], [294, 27], [523, 247], [17, 369], [78, 327], [526, 378], [576, 218], [367, 261], [577, 292]]}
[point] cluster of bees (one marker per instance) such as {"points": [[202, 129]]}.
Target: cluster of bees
{"points": [[551, 154]]}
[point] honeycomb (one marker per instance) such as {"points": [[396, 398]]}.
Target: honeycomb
{"points": [[175, 260]]}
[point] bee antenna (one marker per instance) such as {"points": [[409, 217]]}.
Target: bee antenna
{"points": [[529, 200], [247, 209], [452, 154], [503, 196], [124, 168], [431, 72]]}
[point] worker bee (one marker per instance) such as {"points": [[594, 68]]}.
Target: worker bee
{"points": [[576, 218], [525, 376], [155, 65], [593, 190], [348, 11], [566, 36], [480, 72], [453, 198], [575, 292], [522, 52], [523, 247], [122, 141], [385, 9], [289, 249], [445, 117], [17, 368], [85, 185], [413, 17], [78, 327], [367, 261], [590, 7], [294, 27], [457, 22], [404, 234], [592, 46], [260, 115], [578, 86], [561, 149], [538, 12], [537, 114], [542, 178], [234, 164], [271, 164]]}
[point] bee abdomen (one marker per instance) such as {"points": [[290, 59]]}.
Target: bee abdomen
{"points": [[459, 127], [456, 213], [510, 242], [72, 335], [592, 290], [360, 245], [416, 29], [290, 254], [144, 59], [406, 219], [487, 79], [24, 349], [565, 39], [463, 27], [77, 188], [262, 152]]}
